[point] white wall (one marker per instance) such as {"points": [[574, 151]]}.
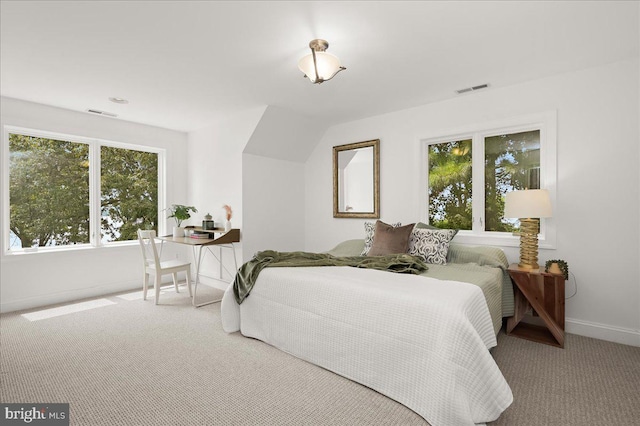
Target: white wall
{"points": [[273, 180], [36, 279], [215, 176], [598, 201], [274, 199]]}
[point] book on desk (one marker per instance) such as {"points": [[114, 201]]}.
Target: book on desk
{"points": [[199, 233]]}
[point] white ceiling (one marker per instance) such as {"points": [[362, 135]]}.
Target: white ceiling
{"points": [[185, 64]]}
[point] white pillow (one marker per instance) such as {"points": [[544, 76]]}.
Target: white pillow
{"points": [[369, 231], [432, 245]]}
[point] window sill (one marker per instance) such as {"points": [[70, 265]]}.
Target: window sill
{"points": [[86, 248], [498, 239]]}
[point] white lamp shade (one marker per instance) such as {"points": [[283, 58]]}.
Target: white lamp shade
{"points": [[528, 203], [328, 66]]}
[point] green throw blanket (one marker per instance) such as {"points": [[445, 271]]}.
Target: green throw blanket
{"points": [[248, 273]]}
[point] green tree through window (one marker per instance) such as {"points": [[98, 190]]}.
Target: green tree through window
{"points": [[51, 197], [48, 191], [129, 195], [511, 162], [450, 186]]}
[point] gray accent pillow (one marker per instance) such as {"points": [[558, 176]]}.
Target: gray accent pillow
{"points": [[422, 225], [432, 245], [369, 231], [390, 240]]}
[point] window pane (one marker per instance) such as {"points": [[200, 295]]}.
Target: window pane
{"points": [[48, 192], [450, 185], [512, 162], [129, 193]]}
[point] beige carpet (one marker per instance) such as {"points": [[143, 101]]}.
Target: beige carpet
{"points": [[133, 363]]}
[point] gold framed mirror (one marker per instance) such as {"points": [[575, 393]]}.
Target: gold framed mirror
{"points": [[356, 180]]}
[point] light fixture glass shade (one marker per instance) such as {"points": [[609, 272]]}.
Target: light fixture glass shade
{"points": [[528, 203], [328, 66]]}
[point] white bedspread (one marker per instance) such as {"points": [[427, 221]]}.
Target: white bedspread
{"points": [[420, 341]]}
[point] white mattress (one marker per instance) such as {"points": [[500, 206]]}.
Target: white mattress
{"points": [[420, 341]]}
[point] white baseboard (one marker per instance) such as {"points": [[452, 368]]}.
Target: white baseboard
{"points": [[67, 296], [626, 336]]}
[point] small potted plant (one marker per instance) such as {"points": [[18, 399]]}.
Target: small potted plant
{"points": [[558, 267], [180, 213]]}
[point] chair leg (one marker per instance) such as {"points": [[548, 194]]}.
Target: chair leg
{"points": [[145, 285], [175, 281], [157, 287], [189, 281]]}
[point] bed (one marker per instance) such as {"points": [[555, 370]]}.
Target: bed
{"points": [[422, 340]]}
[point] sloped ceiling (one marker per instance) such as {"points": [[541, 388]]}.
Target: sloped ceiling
{"points": [[183, 64], [284, 135]]}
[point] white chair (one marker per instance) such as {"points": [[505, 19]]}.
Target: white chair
{"points": [[152, 265]]}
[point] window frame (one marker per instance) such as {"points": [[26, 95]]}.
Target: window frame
{"points": [[546, 122], [94, 145]]}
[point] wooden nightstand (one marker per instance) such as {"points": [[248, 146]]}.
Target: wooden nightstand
{"points": [[544, 293]]}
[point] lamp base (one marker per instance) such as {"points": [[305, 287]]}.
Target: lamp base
{"points": [[529, 228], [526, 267]]}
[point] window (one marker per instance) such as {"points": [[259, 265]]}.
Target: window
{"points": [[129, 192], [468, 175], [48, 191], [511, 162], [69, 191], [450, 184]]}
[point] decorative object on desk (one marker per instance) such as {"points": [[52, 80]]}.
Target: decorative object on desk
{"points": [[180, 213], [208, 223], [228, 216], [528, 205], [178, 232], [558, 267]]}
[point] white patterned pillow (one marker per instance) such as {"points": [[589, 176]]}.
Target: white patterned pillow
{"points": [[369, 231], [432, 245]]}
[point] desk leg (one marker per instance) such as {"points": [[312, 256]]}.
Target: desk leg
{"points": [[235, 262], [198, 260]]}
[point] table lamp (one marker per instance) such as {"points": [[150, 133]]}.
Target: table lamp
{"points": [[529, 206]]}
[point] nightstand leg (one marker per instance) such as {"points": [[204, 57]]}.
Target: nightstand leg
{"points": [[520, 309]]}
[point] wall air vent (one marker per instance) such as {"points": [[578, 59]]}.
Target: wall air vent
{"points": [[473, 88], [108, 114]]}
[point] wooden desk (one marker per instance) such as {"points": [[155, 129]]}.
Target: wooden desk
{"points": [[226, 240], [544, 293]]}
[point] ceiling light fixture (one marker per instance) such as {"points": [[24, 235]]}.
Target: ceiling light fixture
{"points": [[320, 66], [119, 100]]}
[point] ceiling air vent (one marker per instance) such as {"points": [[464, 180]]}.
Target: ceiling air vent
{"points": [[471, 89], [108, 114]]}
